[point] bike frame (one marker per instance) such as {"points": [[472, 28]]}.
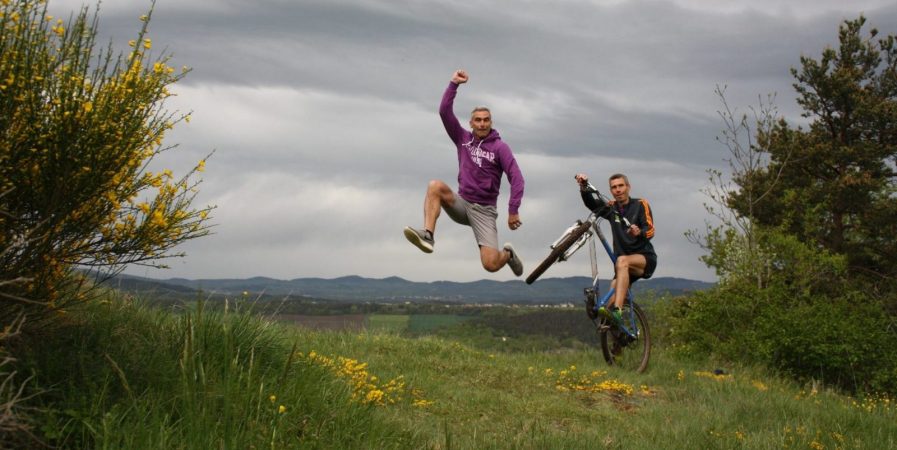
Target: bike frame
{"points": [[630, 326]]}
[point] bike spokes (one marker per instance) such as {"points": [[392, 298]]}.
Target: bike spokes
{"points": [[628, 347]]}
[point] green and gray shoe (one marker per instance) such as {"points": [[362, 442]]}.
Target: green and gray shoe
{"points": [[612, 314], [617, 316]]}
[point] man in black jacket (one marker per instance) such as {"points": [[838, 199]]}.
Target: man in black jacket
{"points": [[632, 226]]}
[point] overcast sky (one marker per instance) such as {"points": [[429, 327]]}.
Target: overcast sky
{"points": [[323, 117]]}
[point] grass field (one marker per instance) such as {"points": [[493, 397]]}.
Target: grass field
{"points": [[426, 323], [388, 322], [124, 376], [397, 323]]}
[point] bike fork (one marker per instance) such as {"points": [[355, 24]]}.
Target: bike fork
{"points": [[591, 295]]}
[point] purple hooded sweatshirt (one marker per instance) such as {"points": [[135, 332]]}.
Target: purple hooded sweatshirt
{"points": [[480, 161]]}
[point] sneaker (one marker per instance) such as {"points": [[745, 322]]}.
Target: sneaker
{"points": [[514, 261], [617, 316], [420, 238], [612, 314]]}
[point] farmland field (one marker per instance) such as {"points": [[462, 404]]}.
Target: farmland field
{"points": [[332, 322], [388, 322], [398, 323], [423, 323]]}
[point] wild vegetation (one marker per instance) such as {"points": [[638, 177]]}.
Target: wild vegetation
{"points": [[79, 127], [804, 249], [117, 374]]}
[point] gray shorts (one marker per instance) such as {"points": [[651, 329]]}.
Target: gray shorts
{"points": [[479, 217]]}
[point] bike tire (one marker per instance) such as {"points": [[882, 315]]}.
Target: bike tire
{"points": [[559, 250], [632, 355]]}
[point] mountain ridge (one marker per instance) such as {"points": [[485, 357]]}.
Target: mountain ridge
{"points": [[394, 288]]}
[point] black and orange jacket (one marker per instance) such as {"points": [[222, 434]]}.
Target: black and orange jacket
{"points": [[638, 212]]}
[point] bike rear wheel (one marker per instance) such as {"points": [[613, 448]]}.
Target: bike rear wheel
{"points": [[566, 241], [622, 350]]}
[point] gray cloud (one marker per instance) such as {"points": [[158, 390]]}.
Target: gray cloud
{"points": [[323, 116]]}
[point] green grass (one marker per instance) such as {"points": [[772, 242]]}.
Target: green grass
{"points": [[122, 376], [395, 323], [425, 323]]}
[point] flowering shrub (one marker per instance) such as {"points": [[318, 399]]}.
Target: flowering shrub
{"points": [[79, 128]]}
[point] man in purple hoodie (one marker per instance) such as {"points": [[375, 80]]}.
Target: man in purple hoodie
{"points": [[482, 159]]}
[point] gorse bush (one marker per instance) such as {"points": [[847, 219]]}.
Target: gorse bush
{"points": [[79, 129]]}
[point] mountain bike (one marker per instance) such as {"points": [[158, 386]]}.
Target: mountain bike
{"points": [[627, 344]]}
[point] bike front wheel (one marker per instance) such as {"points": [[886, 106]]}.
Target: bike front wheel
{"points": [[565, 242], [627, 350]]}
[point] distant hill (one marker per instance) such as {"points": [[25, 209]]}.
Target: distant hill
{"points": [[395, 289]]}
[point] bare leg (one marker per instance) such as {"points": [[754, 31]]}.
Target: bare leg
{"points": [[493, 259], [627, 266], [438, 195]]}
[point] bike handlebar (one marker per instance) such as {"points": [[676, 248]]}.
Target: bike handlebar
{"points": [[592, 189]]}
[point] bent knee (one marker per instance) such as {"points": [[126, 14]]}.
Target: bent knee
{"points": [[492, 265], [437, 185], [491, 261], [622, 264]]}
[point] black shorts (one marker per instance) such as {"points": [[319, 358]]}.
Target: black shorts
{"points": [[650, 266]]}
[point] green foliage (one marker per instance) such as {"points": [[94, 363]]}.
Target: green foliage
{"points": [[805, 248], [80, 127], [806, 320], [834, 183]]}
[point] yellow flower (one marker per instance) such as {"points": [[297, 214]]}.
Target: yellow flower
{"points": [[273, 398], [374, 396], [201, 166], [282, 409], [147, 44], [58, 29], [159, 219], [88, 107]]}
